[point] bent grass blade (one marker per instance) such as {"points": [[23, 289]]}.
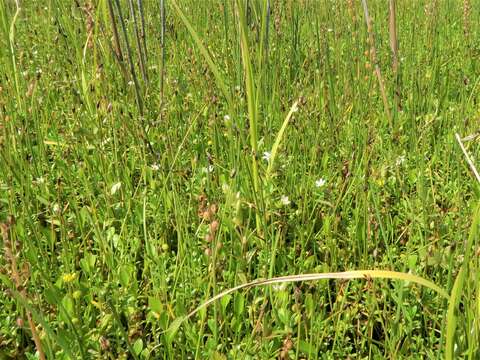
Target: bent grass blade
{"points": [[355, 274]]}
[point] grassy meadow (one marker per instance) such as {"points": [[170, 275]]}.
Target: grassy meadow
{"points": [[155, 154]]}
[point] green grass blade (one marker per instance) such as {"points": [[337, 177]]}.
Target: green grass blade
{"points": [[211, 64], [451, 316], [458, 288], [251, 103]]}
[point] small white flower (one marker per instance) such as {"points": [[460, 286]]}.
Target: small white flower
{"points": [[320, 182], [208, 169], [226, 118], [155, 167], [56, 208], [285, 200], [400, 160], [266, 156], [40, 180], [130, 83], [115, 187]]}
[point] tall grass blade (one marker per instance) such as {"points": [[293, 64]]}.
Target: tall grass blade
{"points": [[162, 44], [141, 56], [392, 26], [116, 48], [251, 103], [459, 287], [143, 34], [135, 80], [211, 64], [130, 59], [116, 38], [11, 38], [451, 315]]}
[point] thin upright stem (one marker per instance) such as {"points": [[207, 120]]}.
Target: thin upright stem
{"points": [[138, 41], [392, 24], [373, 54]]}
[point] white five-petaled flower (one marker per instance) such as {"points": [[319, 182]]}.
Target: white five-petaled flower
{"points": [[266, 156], [320, 182], [285, 200]]}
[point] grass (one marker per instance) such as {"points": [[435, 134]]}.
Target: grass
{"points": [[162, 165]]}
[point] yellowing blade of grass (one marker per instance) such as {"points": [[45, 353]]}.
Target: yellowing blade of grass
{"points": [[355, 274], [279, 137]]}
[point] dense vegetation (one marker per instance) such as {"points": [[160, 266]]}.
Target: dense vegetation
{"points": [[150, 162]]}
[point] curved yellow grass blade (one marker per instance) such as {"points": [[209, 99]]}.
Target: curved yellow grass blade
{"points": [[355, 274], [279, 137]]}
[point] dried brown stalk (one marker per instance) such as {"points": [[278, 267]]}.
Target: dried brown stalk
{"points": [[162, 43], [467, 9], [392, 25], [89, 22]]}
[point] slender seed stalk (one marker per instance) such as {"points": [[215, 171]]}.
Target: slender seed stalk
{"points": [[143, 34], [116, 39], [134, 77], [373, 54], [117, 54], [12, 56], [162, 43], [392, 25], [130, 59], [267, 27], [141, 56]]}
